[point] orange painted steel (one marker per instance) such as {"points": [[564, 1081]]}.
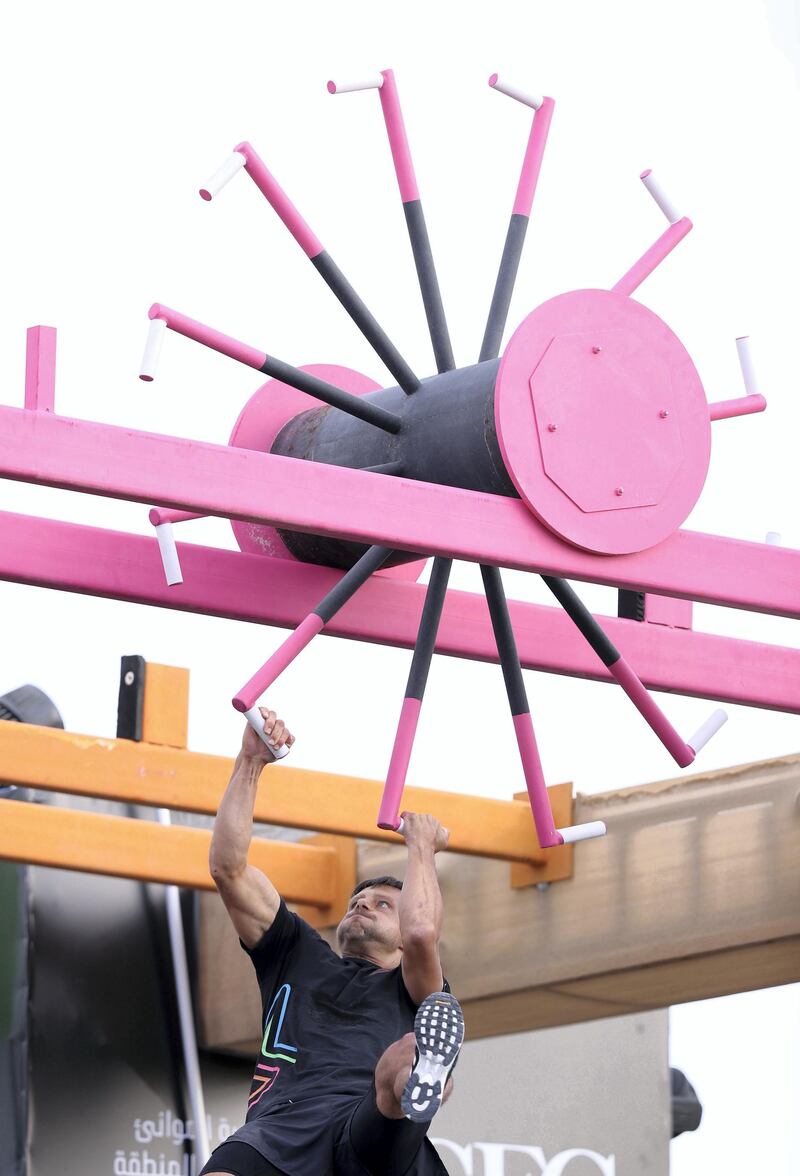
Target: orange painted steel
{"points": [[97, 844], [165, 713], [142, 773]]}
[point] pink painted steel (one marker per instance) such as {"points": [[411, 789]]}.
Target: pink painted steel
{"points": [[259, 423], [680, 751], [602, 368], [532, 163], [40, 369], [208, 336], [269, 186], [159, 515], [740, 406], [51, 450], [534, 780], [398, 140], [262, 590], [274, 666], [389, 812], [668, 610], [653, 257]]}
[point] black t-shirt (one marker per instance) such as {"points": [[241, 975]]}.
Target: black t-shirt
{"points": [[326, 1022]]}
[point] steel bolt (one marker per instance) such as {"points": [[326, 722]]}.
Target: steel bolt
{"points": [[542, 885], [619, 492], [596, 350], [129, 678], [663, 414], [552, 428]]}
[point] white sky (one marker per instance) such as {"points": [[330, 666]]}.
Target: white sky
{"points": [[114, 115]]}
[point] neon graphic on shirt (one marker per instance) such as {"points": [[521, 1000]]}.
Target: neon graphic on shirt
{"points": [[266, 1075]]}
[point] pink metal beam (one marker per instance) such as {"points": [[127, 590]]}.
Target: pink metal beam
{"points": [[395, 512], [50, 554]]}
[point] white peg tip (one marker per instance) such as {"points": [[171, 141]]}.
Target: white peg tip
{"points": [[659, 195], [256, 721], [708, 730], [773, 538], [223, 175], [532, 100], [169, 554], [373, 82], [152, 349], [573, 833], [746, 364]]}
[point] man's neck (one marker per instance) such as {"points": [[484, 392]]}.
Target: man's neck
{"points": [[380, 961]]}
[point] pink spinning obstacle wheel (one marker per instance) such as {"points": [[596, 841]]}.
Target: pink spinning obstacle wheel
{"points": [[602, 421]]}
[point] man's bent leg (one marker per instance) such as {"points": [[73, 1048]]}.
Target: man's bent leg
{"points": [[383, 1139]]}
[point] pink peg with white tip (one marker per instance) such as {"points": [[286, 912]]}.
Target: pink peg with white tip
{"points": [[152, 349], [256, 721], [223, 175], [373, 82], [532, 100], [162, 520], [679, 226], [752, 401]]}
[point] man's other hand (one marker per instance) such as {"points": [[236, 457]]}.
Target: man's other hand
{"points": [[276, 731], [422, 829]]}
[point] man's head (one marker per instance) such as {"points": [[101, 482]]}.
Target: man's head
{"points": [[370, 928]]}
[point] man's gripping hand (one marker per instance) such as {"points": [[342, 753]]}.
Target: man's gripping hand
{"points": [[424, 831], [276, 731]]}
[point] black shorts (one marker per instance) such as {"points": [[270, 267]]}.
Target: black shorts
{"points": [[368, 1144]]}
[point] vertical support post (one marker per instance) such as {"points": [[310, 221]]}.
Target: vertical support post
{"points": [[165, 720], [40, 369]]}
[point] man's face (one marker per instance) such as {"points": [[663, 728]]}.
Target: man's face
{"points": [[371, 921]]}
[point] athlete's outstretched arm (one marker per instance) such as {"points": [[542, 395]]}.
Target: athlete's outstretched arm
{"points": [[421, 906], [250, 897]]}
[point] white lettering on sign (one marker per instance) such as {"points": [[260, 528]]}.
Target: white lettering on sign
{"points": [[493, 1157]]}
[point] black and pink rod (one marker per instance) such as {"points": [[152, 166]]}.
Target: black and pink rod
{"points": [[520, 214], [389, 812], [683, 752], [542, 811], [386, 86], [245, 156], [356, 406], [246, 699]]}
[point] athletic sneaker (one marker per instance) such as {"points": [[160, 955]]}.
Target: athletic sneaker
{"points": [[439, 1030]]}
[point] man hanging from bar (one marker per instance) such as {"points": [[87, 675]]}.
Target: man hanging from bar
{"points": [[357, 1047]]}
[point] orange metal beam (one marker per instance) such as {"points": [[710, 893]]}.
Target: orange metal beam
{"points": [[97, 844], [141, 773]]}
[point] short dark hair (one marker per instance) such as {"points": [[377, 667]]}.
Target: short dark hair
{"points": [[386, 880]]}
